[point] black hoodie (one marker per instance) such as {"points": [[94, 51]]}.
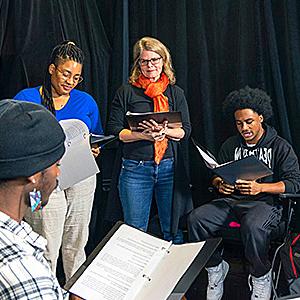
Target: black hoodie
{"points": [[274, 151]]}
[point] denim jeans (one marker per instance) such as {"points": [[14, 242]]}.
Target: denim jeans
{"points": [[138, 182]]}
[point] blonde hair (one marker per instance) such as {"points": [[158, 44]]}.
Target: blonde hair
{"points": [[151, 44]]}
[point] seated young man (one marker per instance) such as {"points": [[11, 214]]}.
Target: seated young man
{"points": [[250, 203]]}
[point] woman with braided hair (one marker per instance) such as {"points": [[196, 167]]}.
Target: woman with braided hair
{"points": [[64, 223]]}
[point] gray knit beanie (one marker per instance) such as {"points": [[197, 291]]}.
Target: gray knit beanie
{"points": [[31, 139]]}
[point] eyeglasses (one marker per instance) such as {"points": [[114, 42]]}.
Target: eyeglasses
{"points": [[67, 75], [154, 61]]}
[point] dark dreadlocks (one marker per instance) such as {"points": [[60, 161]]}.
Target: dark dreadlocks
{"points": [[67, 50]]}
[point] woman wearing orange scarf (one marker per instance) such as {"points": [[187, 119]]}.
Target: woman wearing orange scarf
{"points": [[151, 167]]}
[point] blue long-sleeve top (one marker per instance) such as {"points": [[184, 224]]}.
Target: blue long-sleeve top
{"points": [[80, 105]]}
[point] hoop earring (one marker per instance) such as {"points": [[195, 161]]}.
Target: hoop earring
{"points": [[35, 200]]}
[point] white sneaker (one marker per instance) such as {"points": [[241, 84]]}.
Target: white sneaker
{"points": [[261, 287], [216, 277]]}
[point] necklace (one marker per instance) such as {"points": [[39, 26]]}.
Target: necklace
{"points": [[60, 103]]}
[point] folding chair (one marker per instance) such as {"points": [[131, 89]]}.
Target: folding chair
{"points": [[292, 224]]}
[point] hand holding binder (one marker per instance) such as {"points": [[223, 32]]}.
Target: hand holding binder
{"points": [[173, 118], [131, 264], [248, 168]]}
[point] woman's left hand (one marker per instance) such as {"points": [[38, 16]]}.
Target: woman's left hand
{"points": [[153, 129], [160, 131], [95, 151], [152, 126], [155, 135]]}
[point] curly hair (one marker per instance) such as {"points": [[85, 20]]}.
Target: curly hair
{"points": [[256, 99], [151, 44]]}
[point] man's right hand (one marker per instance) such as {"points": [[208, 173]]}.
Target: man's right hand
{"points": [[222, 187], [225, 188]]}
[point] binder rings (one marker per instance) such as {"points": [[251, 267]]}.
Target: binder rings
{"points": [[131, 264]]}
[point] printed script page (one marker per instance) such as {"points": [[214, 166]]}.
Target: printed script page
{"points": [[122, 267], [78, 162]]}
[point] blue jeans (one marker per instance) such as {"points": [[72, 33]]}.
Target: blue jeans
{"points": [[137, 183]]}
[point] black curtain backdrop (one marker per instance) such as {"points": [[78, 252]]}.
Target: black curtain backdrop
{"points": [[216, 45]]}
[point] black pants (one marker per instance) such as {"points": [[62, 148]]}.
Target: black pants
{"points": [[257, 220]]}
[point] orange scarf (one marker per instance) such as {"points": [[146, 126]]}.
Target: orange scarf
{"points": [[155, 91]]}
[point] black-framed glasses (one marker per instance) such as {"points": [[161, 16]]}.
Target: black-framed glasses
{"points": [[154, 61], [68, 75]]}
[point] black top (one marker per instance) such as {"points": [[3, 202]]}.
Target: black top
{"points": [[273, 151], [133, 99]]}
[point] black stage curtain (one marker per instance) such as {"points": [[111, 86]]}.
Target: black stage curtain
{"points": [[216, 45]]}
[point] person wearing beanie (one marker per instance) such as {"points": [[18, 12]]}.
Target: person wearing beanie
{"points": [[65, 222], [29, 166]]}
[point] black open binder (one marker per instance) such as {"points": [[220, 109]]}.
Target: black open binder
{"points": [[184, 282]]}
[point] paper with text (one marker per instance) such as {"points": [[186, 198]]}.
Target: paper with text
{"points": [[119, 269], [78, 162], [133, 265]]}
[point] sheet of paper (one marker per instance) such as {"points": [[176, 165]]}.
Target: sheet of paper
{"points": [[169, 271], [208, 160], [78, 162], [74, 130], [121, 268]]}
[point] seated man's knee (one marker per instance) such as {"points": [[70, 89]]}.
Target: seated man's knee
{"points": [[252, 226], [249, 226], [265, 222], [194, 217], [194, 226]]}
